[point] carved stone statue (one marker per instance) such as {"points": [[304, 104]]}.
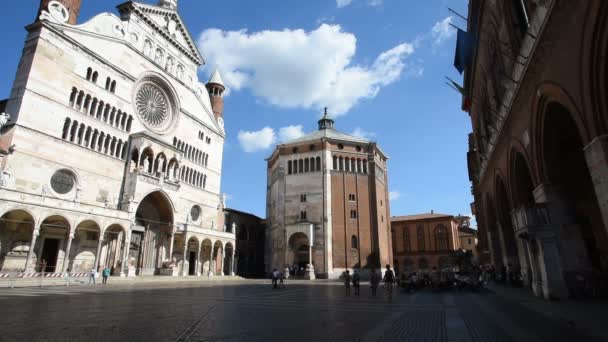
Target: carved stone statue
{"points": [[171, 171], [132, 166], [233, 228], [146, 165], [4, 117], [5, 177]]}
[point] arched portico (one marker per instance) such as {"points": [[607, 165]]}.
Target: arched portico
{"points": [[149, 245], [17, 237], [218, 257], [53, 244], [206, 257], [229, 259], [113, 249], [85, 247]]}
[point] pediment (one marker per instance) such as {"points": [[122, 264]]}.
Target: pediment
{"points": [[168, 23]]}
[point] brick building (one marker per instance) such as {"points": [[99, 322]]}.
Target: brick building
{"points": [[331, 189], [250, 239], [535, 87], [423, 241]]}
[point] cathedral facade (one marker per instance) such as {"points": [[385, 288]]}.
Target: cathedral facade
{"points": [[112, 149], [327, 205]]}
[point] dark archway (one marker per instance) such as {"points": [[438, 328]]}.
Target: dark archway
{"points": [[149, 245], [566, 170], [16, 228]]}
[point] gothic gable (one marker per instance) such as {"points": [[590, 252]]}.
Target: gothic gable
{"points": [[168, 24]]}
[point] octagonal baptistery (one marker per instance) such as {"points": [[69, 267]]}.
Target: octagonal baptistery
{"points": [[327, 205], [112, 134]]}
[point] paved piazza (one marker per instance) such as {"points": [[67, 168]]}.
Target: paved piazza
{"points": [[252, 311]]}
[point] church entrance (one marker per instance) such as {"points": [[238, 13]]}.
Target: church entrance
{"points": [[155, 217], [300, 252], [50, 249], [192, 263], [135, 251]]}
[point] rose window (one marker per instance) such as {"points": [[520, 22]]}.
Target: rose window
{"points": [[152, 105]]}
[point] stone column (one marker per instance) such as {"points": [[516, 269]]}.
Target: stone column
{"points": [[66, 259], [503, 246], [171, 244], [30, 253], [124, 267], [234, 263], [231, 268], [596, 154], [184, 255], [223, 261], [210, 272], [117, 244], [99, 243], [198, 260]]}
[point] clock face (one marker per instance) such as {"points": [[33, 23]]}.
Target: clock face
{"points": [[58, 11]]}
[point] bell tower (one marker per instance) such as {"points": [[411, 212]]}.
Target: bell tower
{"points": [[216, 88], [73, 7]]}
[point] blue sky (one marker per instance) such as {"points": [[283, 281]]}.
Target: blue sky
{"points": [[377, 64]]}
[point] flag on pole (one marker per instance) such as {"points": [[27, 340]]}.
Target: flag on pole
{"points": [[464, 50]]}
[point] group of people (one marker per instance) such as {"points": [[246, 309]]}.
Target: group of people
{"points": [[375, 278], [105, 273]]}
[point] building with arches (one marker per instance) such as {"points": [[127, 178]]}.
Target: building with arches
{"points": [[113, 151], [539, 148], [327, 204], [424, 241]]}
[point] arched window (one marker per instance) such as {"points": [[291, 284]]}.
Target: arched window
{"points": [[359, 166], [318, 163], [306, 164], [89, 74], [73, 97], [289, 170], [66, 129], [353, 242], [420, 236], [312, 164], [335, 164], [406, 239], [364, 166], [300, 166], [108, 83], [441, 238], [95, 76], [341, 164], [113, 87], [80, 99]]}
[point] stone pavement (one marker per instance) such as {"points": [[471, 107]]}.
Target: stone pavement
{"points": [[248, 310]]}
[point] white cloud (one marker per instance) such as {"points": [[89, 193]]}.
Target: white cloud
{"points": [[343, 3], [375, 2], [300, 69], [253, 141], [290, 132], [326, 20], [394, 195], [359, 132], [442, 31]]}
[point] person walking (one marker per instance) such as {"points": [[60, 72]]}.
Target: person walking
{"points": [[92, 276], [389, 280], [375, 280], [282, 280], [275, 276], [347, 279], [105, 274], [356, 282]]}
